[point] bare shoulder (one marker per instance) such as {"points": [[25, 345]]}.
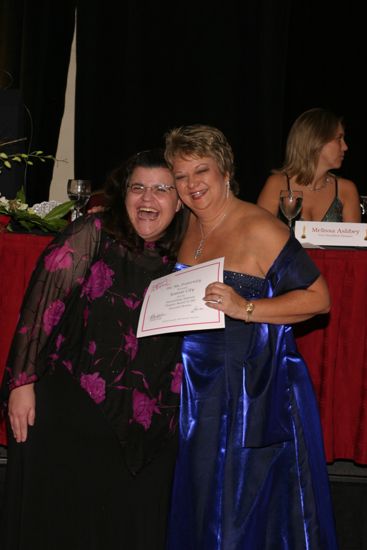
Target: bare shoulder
{"points": [[259, 222], [269, 194], [349, 196], [276, 180], [347, 186], [274, 183], [264, 234]]}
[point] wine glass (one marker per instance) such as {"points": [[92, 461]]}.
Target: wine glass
{"points": [[290, 203], [364, 207], [80, 192]]}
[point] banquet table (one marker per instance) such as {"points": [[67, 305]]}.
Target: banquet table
{"points": [[333, 345]]}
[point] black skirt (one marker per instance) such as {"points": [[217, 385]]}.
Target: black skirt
{"points": [[67, 487]]}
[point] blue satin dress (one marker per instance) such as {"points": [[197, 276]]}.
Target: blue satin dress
{"points": [[251, 471]]}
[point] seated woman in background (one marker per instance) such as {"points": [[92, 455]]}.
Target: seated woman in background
{"points": [[315, 145]]}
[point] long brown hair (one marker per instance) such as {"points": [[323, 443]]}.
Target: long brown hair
{"points": [[307, 136]]}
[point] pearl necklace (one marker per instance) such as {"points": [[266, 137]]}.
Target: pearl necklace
{"points": [[199, 250]]}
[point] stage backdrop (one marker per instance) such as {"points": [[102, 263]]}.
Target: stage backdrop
{"points": [[248, 67], [12, 114]]}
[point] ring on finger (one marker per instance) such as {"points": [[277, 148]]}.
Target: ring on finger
{"points": [[219, 300]]}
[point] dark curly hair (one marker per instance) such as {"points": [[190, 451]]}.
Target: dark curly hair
{"points": [[115, 217]]}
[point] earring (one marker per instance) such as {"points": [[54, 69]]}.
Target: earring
{"points": [[227, 192]]}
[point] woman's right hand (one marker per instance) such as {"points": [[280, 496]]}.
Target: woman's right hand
{"points": [[22, 411]]}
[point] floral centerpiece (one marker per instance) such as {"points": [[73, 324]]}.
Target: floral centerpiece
{"points": [[15, 213]]}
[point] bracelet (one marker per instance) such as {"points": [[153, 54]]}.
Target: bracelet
{"points": [[249, 308]]}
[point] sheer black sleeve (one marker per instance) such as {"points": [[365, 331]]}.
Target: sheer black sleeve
{"points": [[60, 269]]}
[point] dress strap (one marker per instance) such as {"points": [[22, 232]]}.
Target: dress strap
{"points": [[336, 186], [288, 181]]}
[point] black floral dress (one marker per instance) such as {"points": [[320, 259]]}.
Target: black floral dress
{"points": [[78, 327]]}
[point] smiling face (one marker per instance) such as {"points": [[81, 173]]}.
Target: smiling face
{"points": [[332, 153], [151, 212], [199, 181]]}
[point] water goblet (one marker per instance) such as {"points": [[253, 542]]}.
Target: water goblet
{"points": [[79, 191], [290, 203]]}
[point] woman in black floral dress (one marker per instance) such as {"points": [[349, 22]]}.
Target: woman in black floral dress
{"points": [[92, 409]]}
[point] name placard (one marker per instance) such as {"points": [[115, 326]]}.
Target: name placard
{"points": [[320, 234]]}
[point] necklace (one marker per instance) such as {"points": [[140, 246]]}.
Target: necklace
{"points": [[199, 250], [324, 183]]}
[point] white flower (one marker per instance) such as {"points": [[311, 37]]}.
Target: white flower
{"points": [[21, 206], [4, 202]]}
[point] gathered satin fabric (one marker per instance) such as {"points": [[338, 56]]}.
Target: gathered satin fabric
{"points": [[251, 471]]}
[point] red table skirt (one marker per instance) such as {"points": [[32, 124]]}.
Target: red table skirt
{"points": [[334, 345], [18, 255], [335, 351]]}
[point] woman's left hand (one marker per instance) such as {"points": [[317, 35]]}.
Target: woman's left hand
{"points": [[222, 297], [288, 308]]}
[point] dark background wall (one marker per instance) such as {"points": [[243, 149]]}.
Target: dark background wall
{"points": [[249, 67]]}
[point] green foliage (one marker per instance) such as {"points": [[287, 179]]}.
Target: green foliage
{"points": [[6, 160]]}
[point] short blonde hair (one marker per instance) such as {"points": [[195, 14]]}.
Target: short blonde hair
{"points": [[200, 140]]}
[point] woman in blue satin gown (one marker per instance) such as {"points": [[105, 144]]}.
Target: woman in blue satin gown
{"points": [[251, 471]]}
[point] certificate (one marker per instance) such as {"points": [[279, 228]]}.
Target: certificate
{"points": [[174, 303]]}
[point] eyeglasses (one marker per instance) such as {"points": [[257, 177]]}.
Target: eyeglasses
{"points": [[159, 189]]}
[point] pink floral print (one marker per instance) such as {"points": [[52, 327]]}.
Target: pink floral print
{"points": [[59, 258], [85, 316], [132, 301], [52, 315], [68, 365], [92, 347], [59, 340], [99, 280], [94, 385], [177, 378], [131, 344], [143, 409], [21, 380]]}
